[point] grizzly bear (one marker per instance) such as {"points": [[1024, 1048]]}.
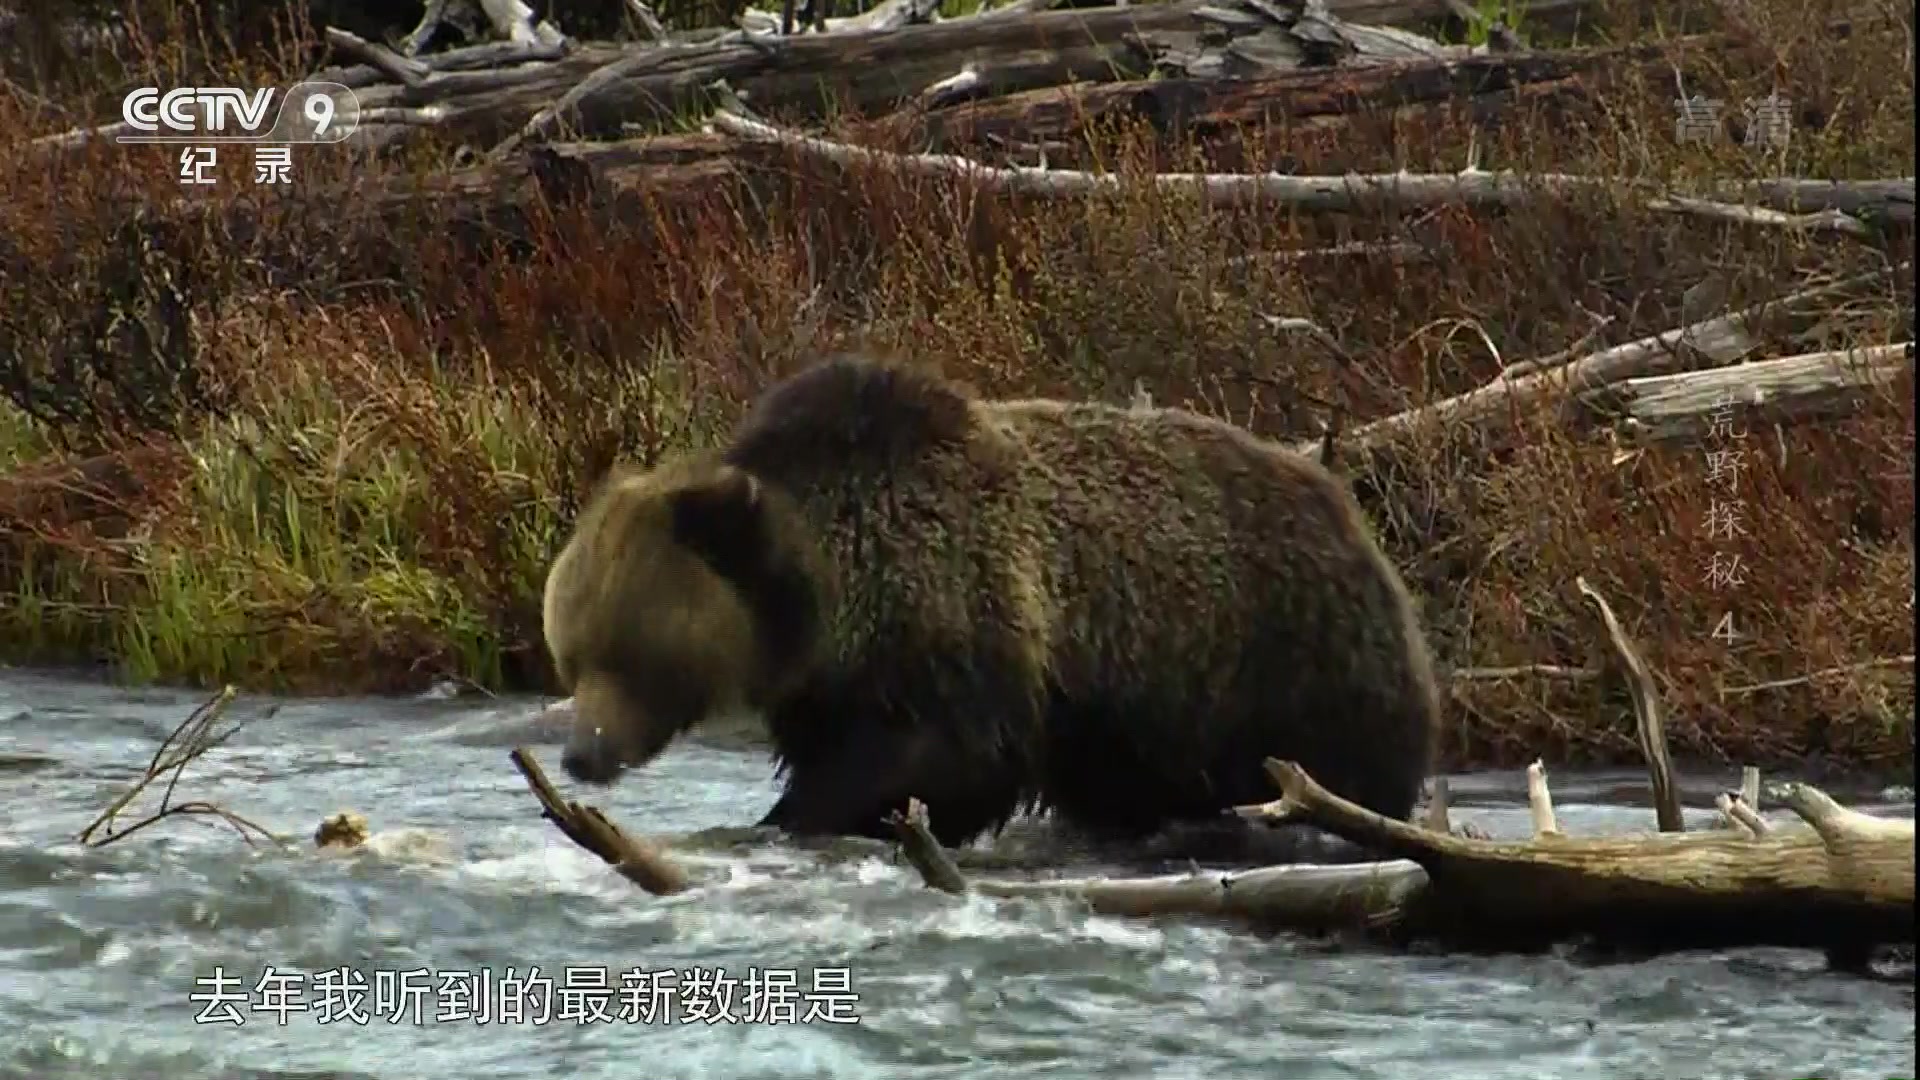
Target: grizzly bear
{"points": [[1115, 614]]}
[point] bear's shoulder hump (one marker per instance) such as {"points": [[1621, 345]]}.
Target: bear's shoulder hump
{"points": [[849, 408]]}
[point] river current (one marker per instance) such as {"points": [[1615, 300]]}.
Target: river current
{"points": [[471, 940]]}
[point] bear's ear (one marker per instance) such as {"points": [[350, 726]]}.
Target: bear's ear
{"points": [[723, 519]]}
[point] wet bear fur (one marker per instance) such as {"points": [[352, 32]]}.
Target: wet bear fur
{"points": [[1112, 613]]}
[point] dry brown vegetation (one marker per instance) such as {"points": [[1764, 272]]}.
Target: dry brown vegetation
{"points": [[316, 439]]}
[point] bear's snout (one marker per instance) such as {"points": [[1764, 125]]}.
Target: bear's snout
{"points": [[592, 765]]}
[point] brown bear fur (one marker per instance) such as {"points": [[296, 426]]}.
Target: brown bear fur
{"points": [[1113, 613]]}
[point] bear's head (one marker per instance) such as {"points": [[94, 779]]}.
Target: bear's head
{"points": [[684, 592]]}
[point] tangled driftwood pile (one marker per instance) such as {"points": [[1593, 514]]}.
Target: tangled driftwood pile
{"points": [[537, 83]]}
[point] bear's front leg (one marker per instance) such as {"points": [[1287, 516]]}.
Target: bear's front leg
{"points": [[803, 813], [851, 786], [956, 727], [844, 776], [848, 787]]}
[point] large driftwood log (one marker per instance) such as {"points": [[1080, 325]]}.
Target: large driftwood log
{"points": [[1845, 882]]}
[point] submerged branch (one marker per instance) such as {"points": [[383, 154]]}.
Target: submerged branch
{"points": [[188, 742], [634, 859]]}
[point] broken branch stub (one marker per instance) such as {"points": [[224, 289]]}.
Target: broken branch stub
{"points": [[918, 844], [1540, 801], [1741, 816], [1648, 714], [1436, 815]]}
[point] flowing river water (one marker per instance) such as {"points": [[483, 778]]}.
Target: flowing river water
{"points": [[165, 956]]}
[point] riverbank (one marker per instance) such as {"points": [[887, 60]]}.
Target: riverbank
{"points": [[272, 443]]}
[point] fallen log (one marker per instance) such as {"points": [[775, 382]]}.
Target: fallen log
{"points": [[1203, 108], [1789, 390], [1554, 390], [1306, 897], [1740, 814], [1845, 884], [1473, 188]]}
